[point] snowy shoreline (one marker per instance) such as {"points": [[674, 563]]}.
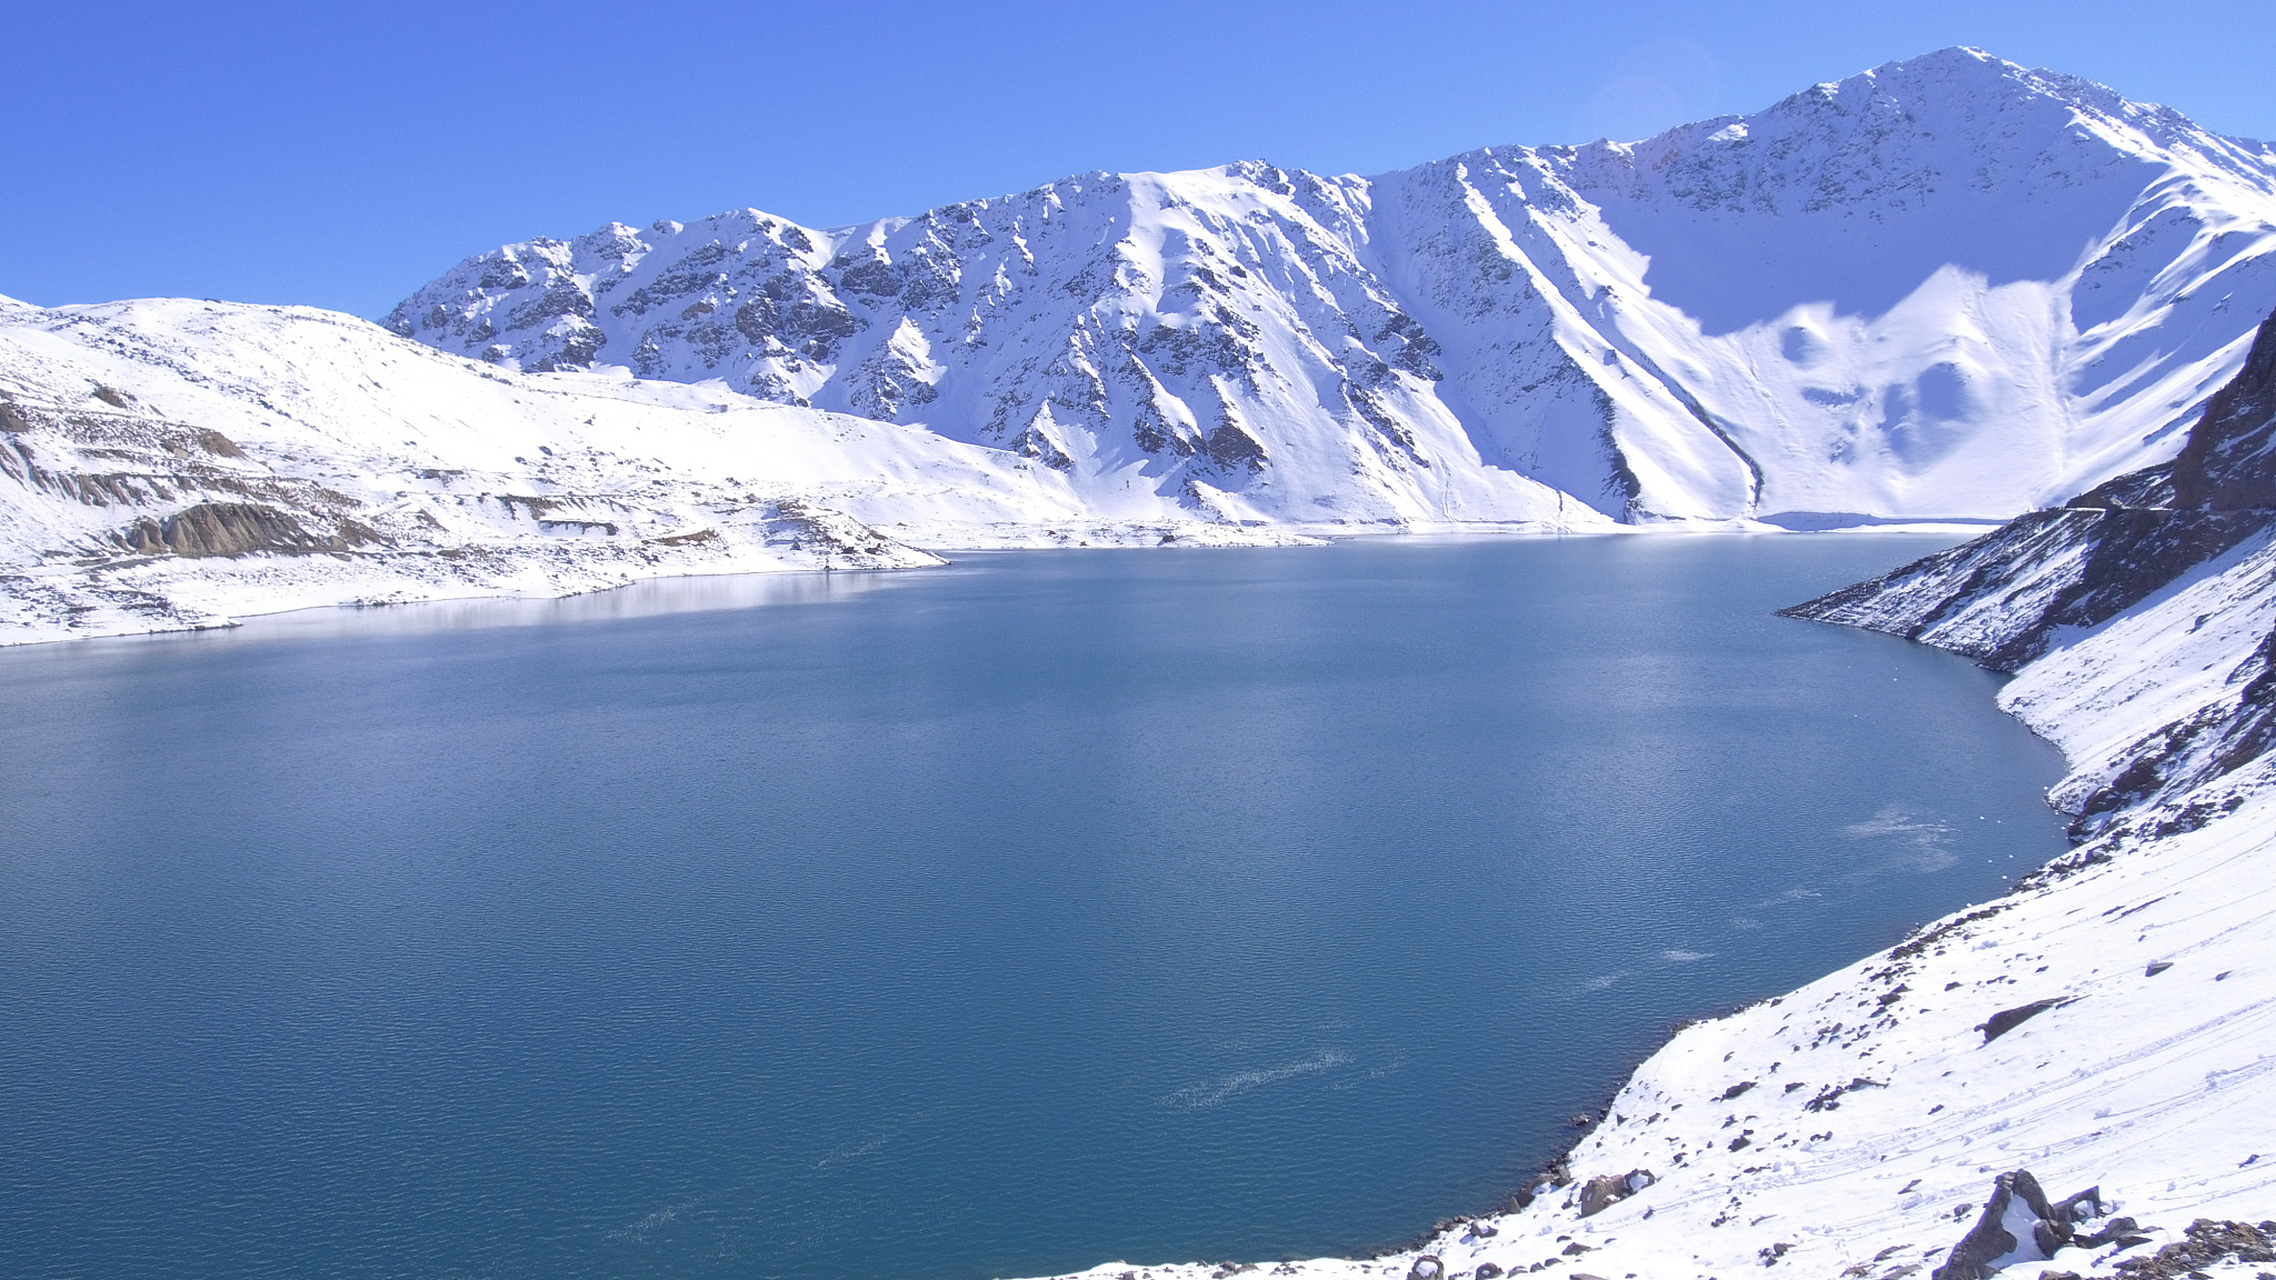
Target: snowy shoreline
{"points": [[389, 587]]}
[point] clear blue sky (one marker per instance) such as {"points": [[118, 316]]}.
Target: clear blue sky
{"points": [[342, 155]]}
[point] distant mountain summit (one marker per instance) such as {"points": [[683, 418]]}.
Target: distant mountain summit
{"points": [[1948, 286]]}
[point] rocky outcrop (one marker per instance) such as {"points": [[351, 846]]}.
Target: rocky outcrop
{"points": [[2232, 465], [2207, 1242], [235, 529], [2006, 1020], [839, 540], [2001, 598], [1605, 1190], [2018, 1225]]}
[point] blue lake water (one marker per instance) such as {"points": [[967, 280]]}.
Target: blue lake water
{"points": [[1046, 910]]}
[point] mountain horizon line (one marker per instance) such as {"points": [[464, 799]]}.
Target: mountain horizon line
{"points": [[2045, 74]]}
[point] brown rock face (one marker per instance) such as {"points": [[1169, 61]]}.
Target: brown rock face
{"points": [[230, 529]]}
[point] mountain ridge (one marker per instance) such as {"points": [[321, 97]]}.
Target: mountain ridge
{"points": [[1570, 315], [1514, 338]]}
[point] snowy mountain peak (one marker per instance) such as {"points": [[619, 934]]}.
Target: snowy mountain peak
{"points": [[1948, 286]]}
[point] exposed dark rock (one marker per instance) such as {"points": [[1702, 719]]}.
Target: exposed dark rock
{"points": [[2157, 967], [1415, 346], [1231, 445], [215, 443], [787, 313], [1487, 1271], [2128, 553], [1605, 1190], [1558, 1174], [578, 351], [1988, 1240], [1032, 443], [1427, 1267], [873, 276], [1935, 935], [2208, 1242], [1829, 1098], [2123, 1232], [564, 299], [2229, 460], [2006, 1020]]}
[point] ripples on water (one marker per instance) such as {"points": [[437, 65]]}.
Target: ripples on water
{"points": [[1009, 918]]}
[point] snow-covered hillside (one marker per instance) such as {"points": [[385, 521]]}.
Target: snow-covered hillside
{"points": [[170, 464], [1945, 287], [2109, 1027]]}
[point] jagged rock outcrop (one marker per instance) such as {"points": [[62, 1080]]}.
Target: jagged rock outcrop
{"points": [[1607, 1189], [2017, 1225]]}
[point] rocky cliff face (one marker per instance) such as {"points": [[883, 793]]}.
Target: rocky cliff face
{"points": [[1946, 287]]}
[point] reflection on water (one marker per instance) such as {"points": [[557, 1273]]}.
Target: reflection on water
{"points": [[653, 597]]}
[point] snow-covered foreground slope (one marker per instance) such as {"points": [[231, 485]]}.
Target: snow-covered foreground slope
{"points": [[169, 464], [1946, 287], [2108, 1026]]}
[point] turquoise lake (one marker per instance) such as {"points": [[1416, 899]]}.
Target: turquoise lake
{"points": [[1046, 910]]}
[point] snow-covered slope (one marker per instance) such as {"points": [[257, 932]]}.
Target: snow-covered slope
{"points": [[168, 464], [1945, 287], [2109, 1027]]}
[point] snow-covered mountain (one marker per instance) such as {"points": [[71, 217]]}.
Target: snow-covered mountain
{"points": [[1946, 287], [1949, 287], [169, 464], [2107, 1030]]}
